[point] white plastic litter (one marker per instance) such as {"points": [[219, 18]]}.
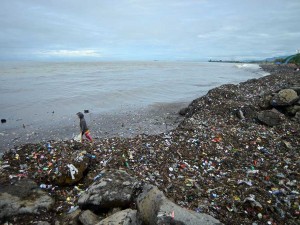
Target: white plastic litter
{"points": [[73, 170], [78, 137]]}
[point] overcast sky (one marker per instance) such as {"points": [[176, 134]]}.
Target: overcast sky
{"points": [[148, 29]]}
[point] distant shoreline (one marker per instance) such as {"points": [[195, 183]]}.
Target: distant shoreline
{"points": [[227, 61]]}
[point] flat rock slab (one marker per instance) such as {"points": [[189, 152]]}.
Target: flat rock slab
{"points": [[155, 209], [114, 188], [125, 217], [22, 197]]}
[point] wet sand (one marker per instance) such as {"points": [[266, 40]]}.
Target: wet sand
{"points": [[150, 120]]}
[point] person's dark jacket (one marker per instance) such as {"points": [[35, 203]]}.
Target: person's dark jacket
{"points": [[83, 126]]}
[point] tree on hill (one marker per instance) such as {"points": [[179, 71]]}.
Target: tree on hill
{"points": [[296, 59], [293, 59]]}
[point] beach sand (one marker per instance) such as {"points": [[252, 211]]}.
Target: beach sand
{"points": [[149, 120]]}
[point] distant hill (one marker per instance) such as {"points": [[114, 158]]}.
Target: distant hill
{"points": [[285, 59], [275, 58]]}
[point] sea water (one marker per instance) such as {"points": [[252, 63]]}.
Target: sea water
{"points": [[32, 91]]}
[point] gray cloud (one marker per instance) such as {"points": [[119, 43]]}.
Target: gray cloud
{"points": [[144, 29]]}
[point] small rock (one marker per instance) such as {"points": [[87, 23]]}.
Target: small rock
{"points": [[183, 111], [265, 102], [43, 223], [297, 117], [72, 218], [292, 110], [87, 217]]}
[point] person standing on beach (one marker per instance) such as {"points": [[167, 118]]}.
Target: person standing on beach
{"points": [[83, 127]]}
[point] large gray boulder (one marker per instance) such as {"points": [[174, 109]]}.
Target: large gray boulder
{"points": [[270, 117], [23, 197], [115, 188], [284, 97], [124, 217], [155, 209]]}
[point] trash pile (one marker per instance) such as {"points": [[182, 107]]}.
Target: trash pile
{"points": [[221, 160], [48, 164], [55, 166]]}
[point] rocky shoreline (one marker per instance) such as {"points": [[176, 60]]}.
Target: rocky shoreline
{"points": [[234, 157]]}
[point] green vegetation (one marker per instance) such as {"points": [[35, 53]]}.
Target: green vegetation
{"points": [[279, 60], [295, 59], [289, 59]]}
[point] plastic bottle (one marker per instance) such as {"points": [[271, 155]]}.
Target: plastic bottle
{"points": [[91, 156], [45, 186], [48, 146], [98, 176]]}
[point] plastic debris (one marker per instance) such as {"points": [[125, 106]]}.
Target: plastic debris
{"points": [[78, 137], [48, 146], [259, 216], [248, 182], [98, 176], [106, 162], [252, 171], [90, 156], [73, 209], [73, 170], [45, 186], [253, 202]]}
